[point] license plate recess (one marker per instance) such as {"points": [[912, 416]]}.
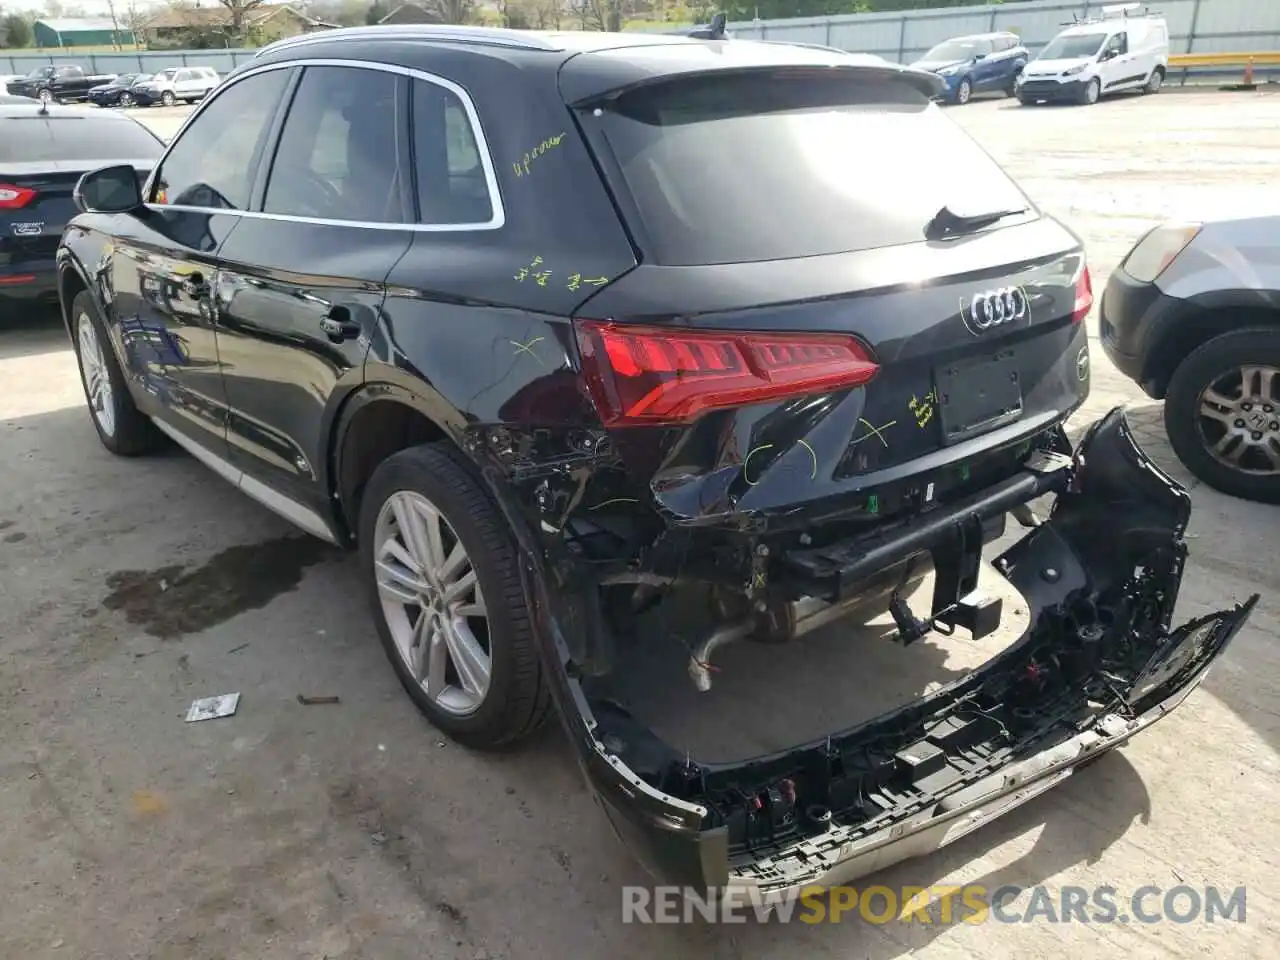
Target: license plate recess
{"points": [[977, 395]]}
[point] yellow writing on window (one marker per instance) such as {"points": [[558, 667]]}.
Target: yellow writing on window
{"points": [[521, 166]]}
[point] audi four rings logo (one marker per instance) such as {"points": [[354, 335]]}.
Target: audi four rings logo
{"points": [[995, 308]]}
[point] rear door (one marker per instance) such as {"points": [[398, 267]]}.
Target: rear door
{"points": [[300, 286], [970, 335], [41, 159]]}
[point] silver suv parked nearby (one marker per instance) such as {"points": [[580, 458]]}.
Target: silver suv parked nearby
{"points": [[174, 84]]}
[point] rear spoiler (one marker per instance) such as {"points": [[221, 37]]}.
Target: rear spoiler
{"points": [[599, 87]]}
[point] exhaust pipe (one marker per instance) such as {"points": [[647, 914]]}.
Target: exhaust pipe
{"points": [[780, 624]]}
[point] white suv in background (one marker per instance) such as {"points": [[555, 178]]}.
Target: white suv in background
{"points": [[174, 84]]}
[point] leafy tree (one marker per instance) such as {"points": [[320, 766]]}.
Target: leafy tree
{"points": [[239, 9], [15, 31]]}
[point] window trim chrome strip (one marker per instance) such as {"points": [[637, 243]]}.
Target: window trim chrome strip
{"points": [[499, 213]]}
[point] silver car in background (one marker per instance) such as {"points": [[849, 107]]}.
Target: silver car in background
{"points": [[1192, 315]]}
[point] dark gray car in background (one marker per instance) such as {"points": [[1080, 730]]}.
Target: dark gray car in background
{"points": [[1193, 316]]}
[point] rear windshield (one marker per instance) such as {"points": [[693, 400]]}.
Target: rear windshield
{"points": [[798, 163], [33, 139]]}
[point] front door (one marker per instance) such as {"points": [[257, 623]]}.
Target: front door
{"points": [[164, 263], [986, 71], [1117, 67], [300, 286]]}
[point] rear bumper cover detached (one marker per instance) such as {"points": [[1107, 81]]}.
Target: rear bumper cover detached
{"points": [[1099, 662]]}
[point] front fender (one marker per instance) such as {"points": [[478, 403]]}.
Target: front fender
{"points": [[70, 262]]}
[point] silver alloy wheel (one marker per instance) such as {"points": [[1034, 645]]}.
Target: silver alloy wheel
{"points": [[97, 378], [1157, 78], [45, 96], [126, 99], [964, 91], [432, 602], [167, 98], [1238, 417], [1093, 90]]}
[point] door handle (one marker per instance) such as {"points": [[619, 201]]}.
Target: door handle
{"points": [[338, 326]]}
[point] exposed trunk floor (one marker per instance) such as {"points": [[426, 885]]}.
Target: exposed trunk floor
{"points": [[769, 697]]}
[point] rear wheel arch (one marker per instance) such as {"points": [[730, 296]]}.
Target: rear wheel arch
{"points": [[1192, 332], [376, 422]]}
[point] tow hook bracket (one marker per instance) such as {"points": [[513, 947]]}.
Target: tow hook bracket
{"points": [[978, 613]]}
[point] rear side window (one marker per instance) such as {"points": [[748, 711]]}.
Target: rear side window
{"points": [[339, 157], [213, 162], [35, 139], [784, 164], [453, 187]]}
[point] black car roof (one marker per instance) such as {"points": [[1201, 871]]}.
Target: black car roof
{"points": [[595, 62]]}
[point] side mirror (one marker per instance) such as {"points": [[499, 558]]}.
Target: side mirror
{"points": [[108, 190]]}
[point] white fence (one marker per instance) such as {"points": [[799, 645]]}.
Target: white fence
{"points": [[1195, 26]]}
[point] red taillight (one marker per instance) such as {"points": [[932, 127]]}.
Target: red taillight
{"points": [[1084, 296], [650, 375], [14, 197]]}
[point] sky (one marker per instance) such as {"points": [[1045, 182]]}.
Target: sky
{"points": [[91, 8]]}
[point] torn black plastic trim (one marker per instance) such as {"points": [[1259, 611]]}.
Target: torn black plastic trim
{"points": [[1098, 664]]}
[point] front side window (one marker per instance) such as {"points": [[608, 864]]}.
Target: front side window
{"points": [[339, 151], [213, 162], [955, 50], [451, 179]]}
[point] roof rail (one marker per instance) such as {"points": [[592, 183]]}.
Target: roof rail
{"points": [[489, 36], [1116, 11]]}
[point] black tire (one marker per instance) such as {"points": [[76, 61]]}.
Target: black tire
{"points": [[133, 433], [1259, 346], [518, 700], [1026, 101], [1091, 92], [167, 98]]}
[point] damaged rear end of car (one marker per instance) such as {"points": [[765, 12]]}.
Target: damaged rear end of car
{"points": [[832, 374]]}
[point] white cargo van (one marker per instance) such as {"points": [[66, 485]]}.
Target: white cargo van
{"points": [[1124, 49]]}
